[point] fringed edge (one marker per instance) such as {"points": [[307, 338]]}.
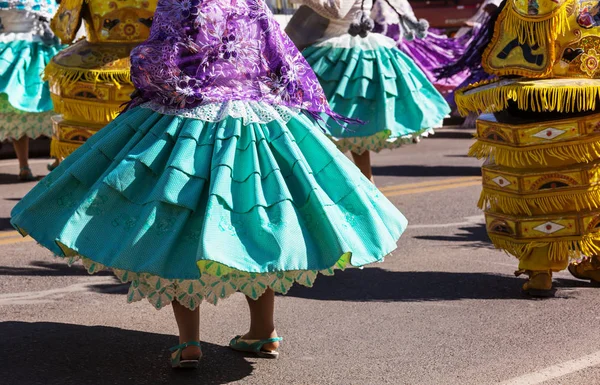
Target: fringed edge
{"points": [[553, 202], [559, 250], [68, 76], [540, 30], [514, 157], [528, 98], [90, 111], [60, 150]]}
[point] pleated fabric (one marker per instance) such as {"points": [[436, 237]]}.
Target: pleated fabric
{"points": [[193, 210], [371, 80], [25, 104]]}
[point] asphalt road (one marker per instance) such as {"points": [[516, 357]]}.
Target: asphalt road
{"points": [[445, 308]]}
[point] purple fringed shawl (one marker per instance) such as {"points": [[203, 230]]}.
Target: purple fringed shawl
{"points": [[207, 51]]}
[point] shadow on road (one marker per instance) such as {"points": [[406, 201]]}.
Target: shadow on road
{"points": [[457, 156], [415, 170], [64, 354], [5, 224], [12, 179], [375, 284], [472, 236], [47, 269]]}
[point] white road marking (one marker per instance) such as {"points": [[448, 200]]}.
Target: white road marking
{"points": [[556, 371], [477, 219], [45, 296]]}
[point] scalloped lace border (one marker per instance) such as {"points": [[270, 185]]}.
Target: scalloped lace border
{"points": [[249, 111], [160, 292]]}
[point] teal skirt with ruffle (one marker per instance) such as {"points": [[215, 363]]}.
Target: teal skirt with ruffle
{"points": [[371, 80], [25, 103], [188, 210]]}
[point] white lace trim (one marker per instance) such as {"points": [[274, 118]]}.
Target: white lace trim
{"points": [[379, 141], [371, 42], [249, 111], [190, 293]]}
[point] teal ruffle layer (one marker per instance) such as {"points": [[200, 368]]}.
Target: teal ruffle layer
{"points": [[380, 86], [21, 66], [161, 194]]}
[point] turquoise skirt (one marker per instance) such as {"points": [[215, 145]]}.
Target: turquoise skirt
{"points": [[25, 103], [189, 210], [371, 80]]}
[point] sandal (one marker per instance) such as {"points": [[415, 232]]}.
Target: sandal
{"points": [[178, 363], [254, 346], [25, 175], [52, 166]]}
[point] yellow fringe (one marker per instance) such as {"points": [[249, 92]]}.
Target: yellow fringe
{"points": [[60, 150], [549, 203], [559, 250], [581, 151], [84, 111], [540, 30], [68, 76], [528, 98]]}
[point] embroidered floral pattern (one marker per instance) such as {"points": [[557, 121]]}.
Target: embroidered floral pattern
{"points": [[213, 51], [590, 62]]}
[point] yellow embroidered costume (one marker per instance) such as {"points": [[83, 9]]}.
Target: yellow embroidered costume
{"points": [[540, 134], [90, 80]]}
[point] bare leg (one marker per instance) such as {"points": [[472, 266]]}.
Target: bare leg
{"points": [[188, 322], [22, 149], [363, 162], [261, 319]]}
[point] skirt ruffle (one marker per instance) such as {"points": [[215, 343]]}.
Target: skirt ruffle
{"points": [[14, 124], [377, 142], [201, 209], [371, 80], [21, 67]]}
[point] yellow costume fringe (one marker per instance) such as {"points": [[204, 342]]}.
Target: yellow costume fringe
{"points": [[529, 96], [66, 76], [565, 249], [540, 30], [546, 203], [90, 111], [567, 152]]}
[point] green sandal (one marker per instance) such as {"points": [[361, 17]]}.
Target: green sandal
{"points": [[25, 175], [254, 346], [178, 363]]}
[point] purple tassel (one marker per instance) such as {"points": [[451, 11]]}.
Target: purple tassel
{"points": [[342, 121]]}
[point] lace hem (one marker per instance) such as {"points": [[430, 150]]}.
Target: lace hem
{"points": [[249, 111], [378, 142], [217, 282]]}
